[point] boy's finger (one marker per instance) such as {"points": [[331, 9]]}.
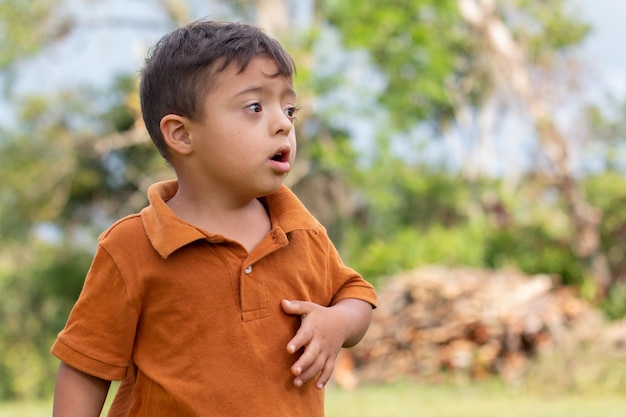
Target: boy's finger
{"points": [[327, 372], [300, 308], [308, 358], [303, 336], [310, 371]]}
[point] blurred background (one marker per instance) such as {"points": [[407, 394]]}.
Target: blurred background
{"points": [[460, 152]]}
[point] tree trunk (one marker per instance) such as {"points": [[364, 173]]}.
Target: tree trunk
{"points": [[508, 58]]}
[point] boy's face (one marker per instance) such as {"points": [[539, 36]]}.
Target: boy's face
{"points": [[246, 142]]}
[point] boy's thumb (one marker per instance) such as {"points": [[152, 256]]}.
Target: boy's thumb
{"points": [[292, 307]]}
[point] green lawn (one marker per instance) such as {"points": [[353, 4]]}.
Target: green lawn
{"points": [[33, 409], [483, 400], [407, 400]]}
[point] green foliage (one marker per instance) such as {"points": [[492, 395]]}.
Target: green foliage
{"points": [[414, 215], [17, 18], [607, 192], [60, 146], [54, 175], [418, 215], [532, 250], [545, 27], [405, 194], [37, 297], [417, 44], [123, 110], [613, 306], [50, 150], [610, 132], [25, 28], [410, 247], [332, 150]]}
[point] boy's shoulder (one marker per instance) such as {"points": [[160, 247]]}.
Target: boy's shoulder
{"points": [[125, 228]]}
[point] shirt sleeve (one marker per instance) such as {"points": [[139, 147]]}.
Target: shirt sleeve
{"points": [[99, 334], [347, 282]]}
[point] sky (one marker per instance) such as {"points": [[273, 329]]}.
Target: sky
{"points": [[606, 46]]}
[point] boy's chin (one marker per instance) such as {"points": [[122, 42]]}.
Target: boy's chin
{"points": [[269, 189]]}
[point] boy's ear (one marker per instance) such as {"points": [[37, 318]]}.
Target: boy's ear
{"points": [[174, 131]]}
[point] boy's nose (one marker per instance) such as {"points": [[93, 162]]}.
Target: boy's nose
{"points": [[282, 124]]}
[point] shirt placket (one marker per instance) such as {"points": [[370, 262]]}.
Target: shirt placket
{"points": [[253, 286]]}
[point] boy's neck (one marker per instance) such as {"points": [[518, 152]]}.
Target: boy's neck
{"points": [[246, 222]]}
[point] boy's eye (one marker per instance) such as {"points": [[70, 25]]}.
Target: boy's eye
{"points": [[256, 107], [291, 112]]}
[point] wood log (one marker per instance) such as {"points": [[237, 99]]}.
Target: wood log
{"points": [[435, 320]]}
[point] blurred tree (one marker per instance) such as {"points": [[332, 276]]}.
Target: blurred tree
{"points": [[529, 65], [606, 189], [417, 44], [445, 58], [26, 28], [63, 155]]}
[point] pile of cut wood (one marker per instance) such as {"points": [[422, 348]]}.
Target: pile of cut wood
{"points": [[465, 321]]}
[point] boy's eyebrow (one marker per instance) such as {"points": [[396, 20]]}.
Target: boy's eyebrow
{"points": [[260, 89]]}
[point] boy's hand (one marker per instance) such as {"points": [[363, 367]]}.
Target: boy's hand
{"points": [[323, 332]]}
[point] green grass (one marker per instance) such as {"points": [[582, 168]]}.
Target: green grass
{"points": [[481, 400], [26, 409], [408, 400]]}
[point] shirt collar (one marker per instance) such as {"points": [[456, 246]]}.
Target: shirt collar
{"points": [[168, 233]]}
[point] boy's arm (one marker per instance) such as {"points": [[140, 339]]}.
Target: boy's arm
{"points": [[323, 332], [78, 394]]}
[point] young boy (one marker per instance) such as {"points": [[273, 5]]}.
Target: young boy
{"points": [[187, 301]]}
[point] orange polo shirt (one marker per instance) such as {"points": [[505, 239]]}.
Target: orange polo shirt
{"points": [[194, 321]]}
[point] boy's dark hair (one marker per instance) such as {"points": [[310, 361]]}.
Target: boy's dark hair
{"points": [[179, 70]]}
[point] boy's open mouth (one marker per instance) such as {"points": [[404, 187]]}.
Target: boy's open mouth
{"points": [[280, 160], [279, 157]]}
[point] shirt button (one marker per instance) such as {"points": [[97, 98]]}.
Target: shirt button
{"points": [[248, 269]]}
